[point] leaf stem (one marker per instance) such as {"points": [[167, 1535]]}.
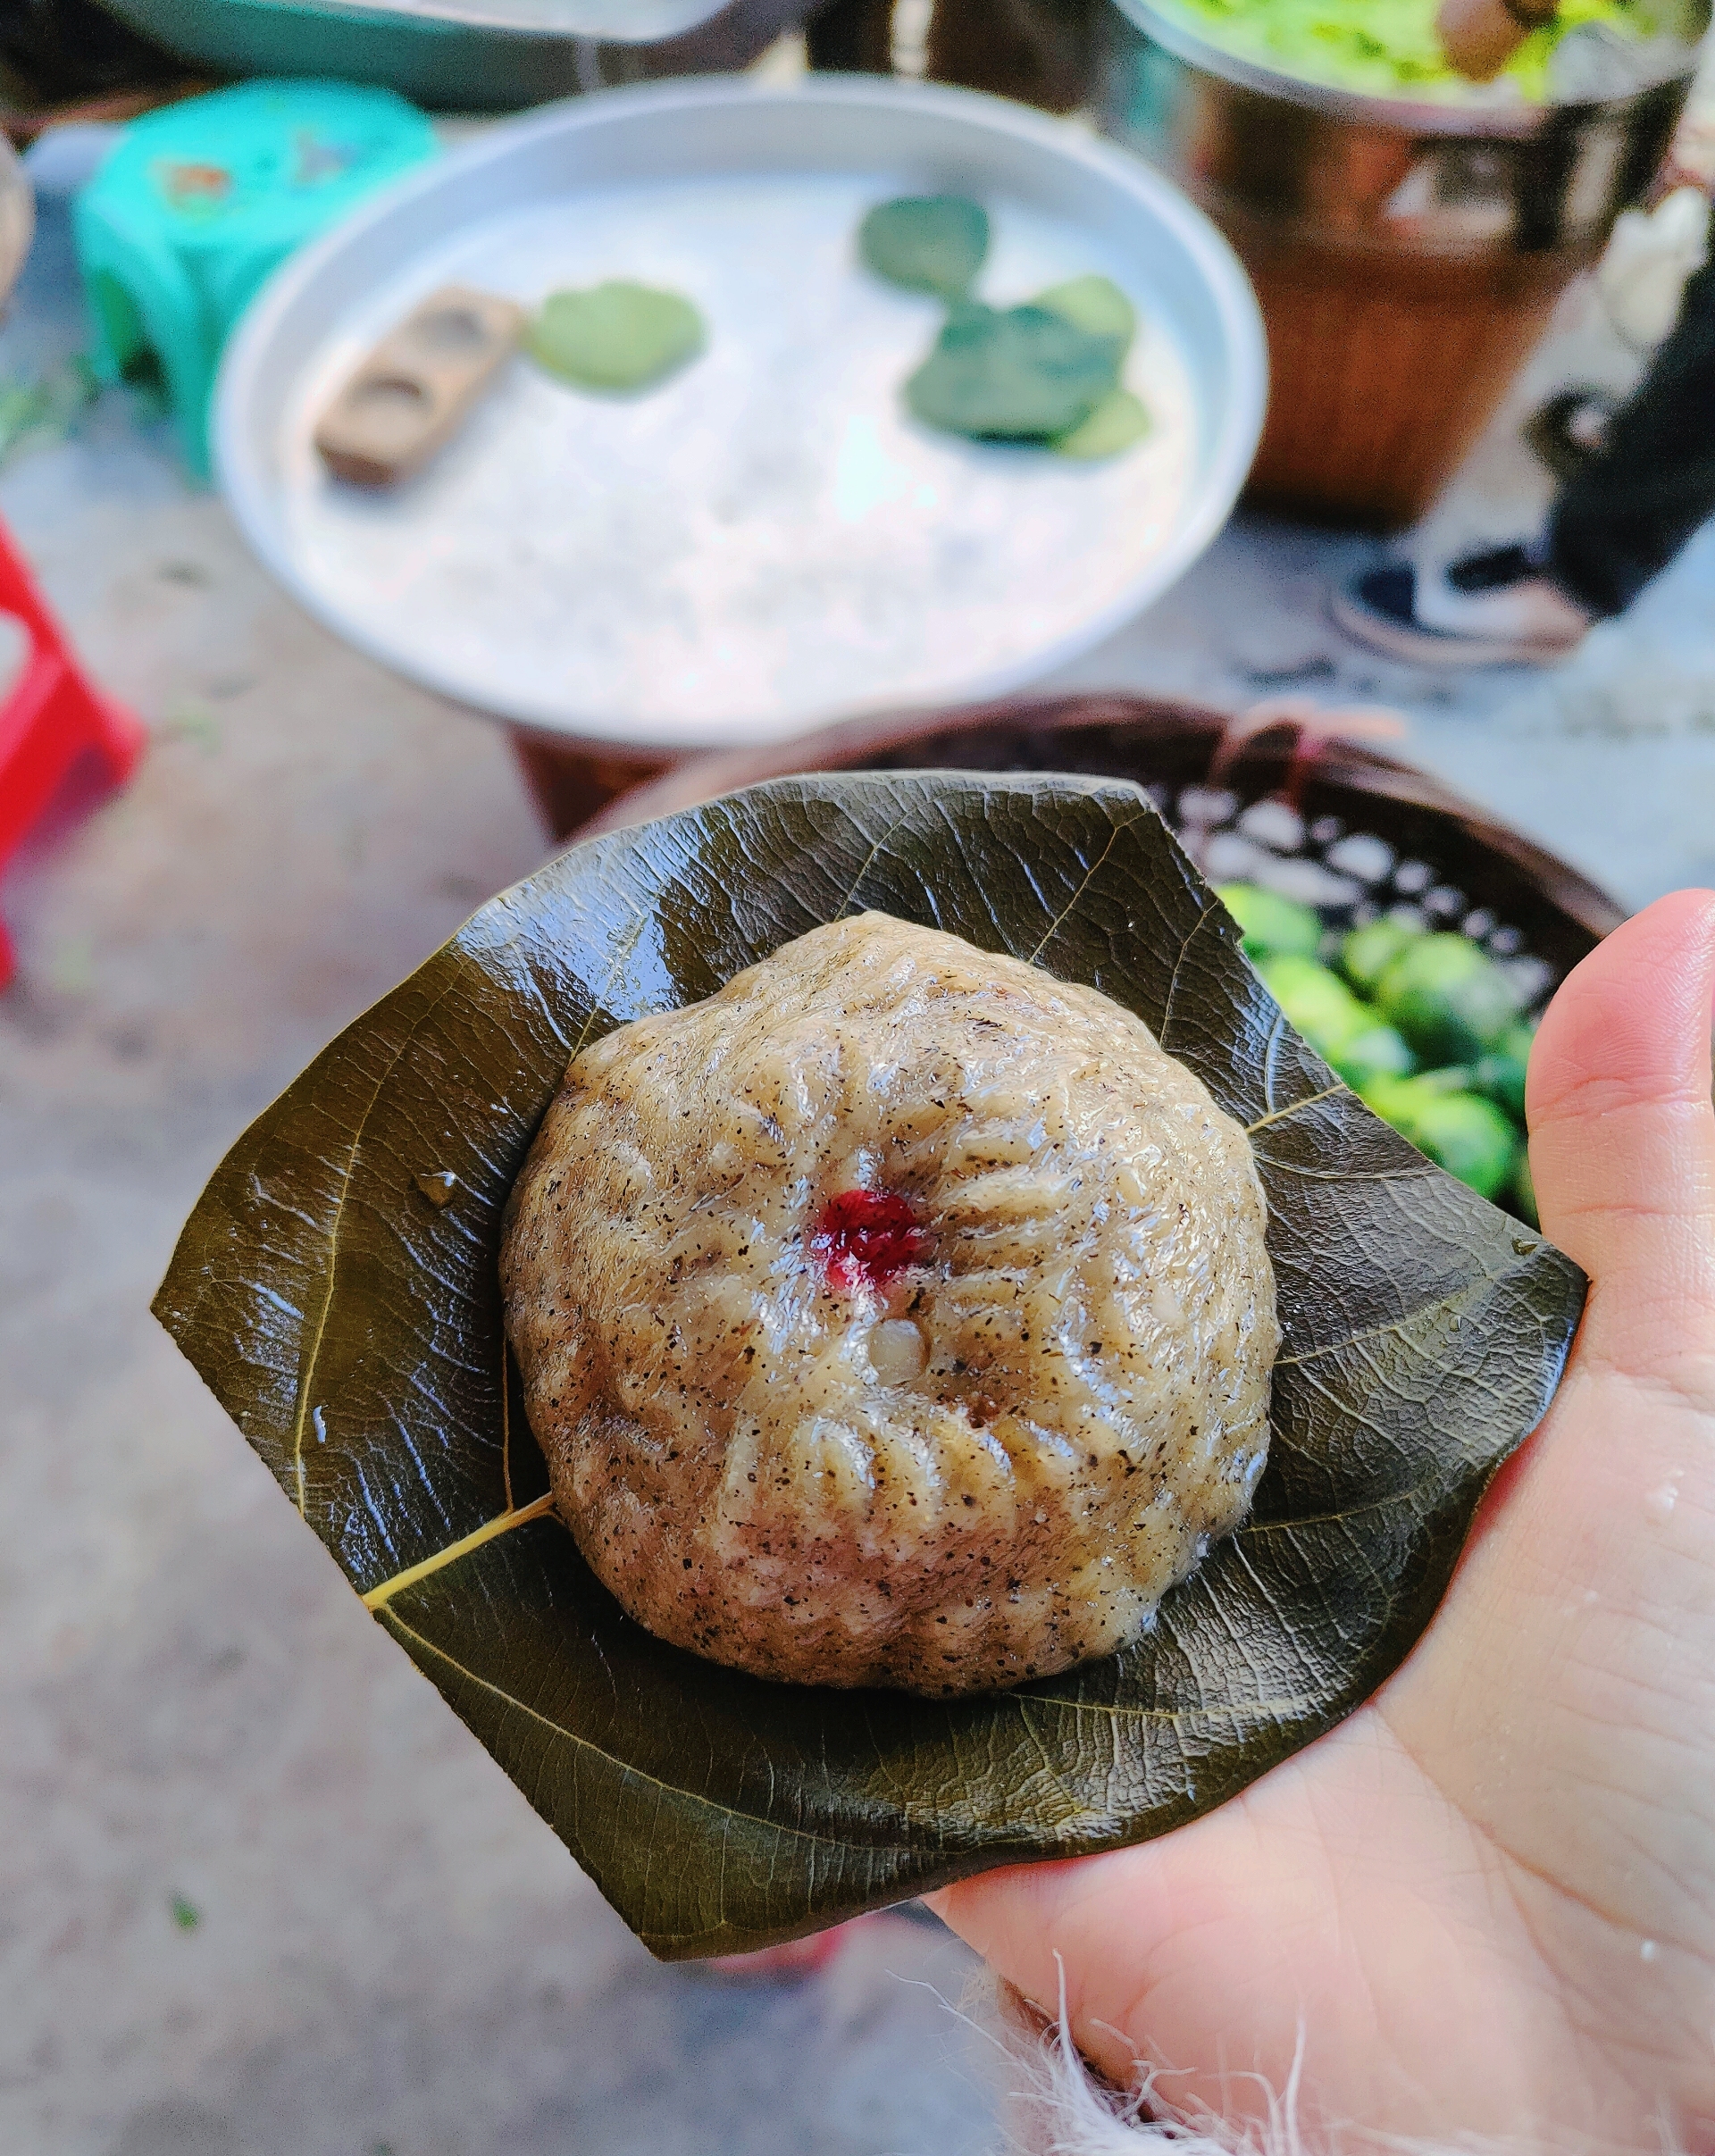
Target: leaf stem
{"points": [[378, 1598]]}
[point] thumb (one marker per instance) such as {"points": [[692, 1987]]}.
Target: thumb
{"points": [[1622, 1133]]}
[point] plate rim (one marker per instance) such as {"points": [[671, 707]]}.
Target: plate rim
{"points": [[253, 494]]}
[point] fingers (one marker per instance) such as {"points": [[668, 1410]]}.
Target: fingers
{"points": [[1085, 1931], [1622, 1134]]}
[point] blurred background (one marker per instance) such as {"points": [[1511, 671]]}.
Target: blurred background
{"points": [[260, 1893]]}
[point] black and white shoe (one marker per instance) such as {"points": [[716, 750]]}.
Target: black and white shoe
{"points": [[1571, 429], [1493, 608]]}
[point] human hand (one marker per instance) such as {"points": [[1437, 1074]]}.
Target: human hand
{"points": [[1485, 1903]]}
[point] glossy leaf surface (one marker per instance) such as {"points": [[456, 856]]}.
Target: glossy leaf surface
{"points": [[336, 1288]]}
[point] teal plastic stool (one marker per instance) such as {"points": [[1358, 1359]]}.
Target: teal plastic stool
{"points": [[197, 204]]}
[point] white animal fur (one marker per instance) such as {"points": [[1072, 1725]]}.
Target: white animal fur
{"points": [[1055, 2106]]}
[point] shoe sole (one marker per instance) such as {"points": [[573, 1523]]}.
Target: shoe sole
{"points": [[1433, 646]]}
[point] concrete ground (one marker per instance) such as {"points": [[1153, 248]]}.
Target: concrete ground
{"points": [[259, 1893]]}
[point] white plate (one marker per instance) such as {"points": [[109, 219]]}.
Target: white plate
{"points": [[768, 542]]}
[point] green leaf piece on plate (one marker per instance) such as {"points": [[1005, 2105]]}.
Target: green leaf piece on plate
{"points": [[615, 336], [927, 243], [1118, 422], [1096, 304], [1022, 374], [354, 1331]]}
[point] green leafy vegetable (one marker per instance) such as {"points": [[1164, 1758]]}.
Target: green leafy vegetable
{"points": [[39, 413], [927, 243], [1386, 48], [1022, 375], [615, 336], [352, 1327]]}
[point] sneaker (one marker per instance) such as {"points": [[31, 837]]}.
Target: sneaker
{"points": [[1495, 608], [1571, 429]]}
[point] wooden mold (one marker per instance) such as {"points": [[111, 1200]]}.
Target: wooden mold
{"points": [[413, 391]]}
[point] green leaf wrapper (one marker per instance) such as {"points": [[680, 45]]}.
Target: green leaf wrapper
{"points": [[339, 1294]]}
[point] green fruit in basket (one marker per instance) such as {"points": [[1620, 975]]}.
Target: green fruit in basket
{"points": [[1318, 1003], [927, 243], [1465, 1135], [1369, 951], [1449, 998], [1269, 923], [1021, 375], [1095, 303], [1501, 1074], [615, 336], [1344, 1032], [1376, 1051]]}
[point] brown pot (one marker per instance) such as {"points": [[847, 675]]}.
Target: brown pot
{"points": [[1556, 914], [1384, 374], [568, 784]]}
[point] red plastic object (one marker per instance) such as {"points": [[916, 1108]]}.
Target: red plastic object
{"points": [[802, 1958], [53, 720], [799, 1958]]}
